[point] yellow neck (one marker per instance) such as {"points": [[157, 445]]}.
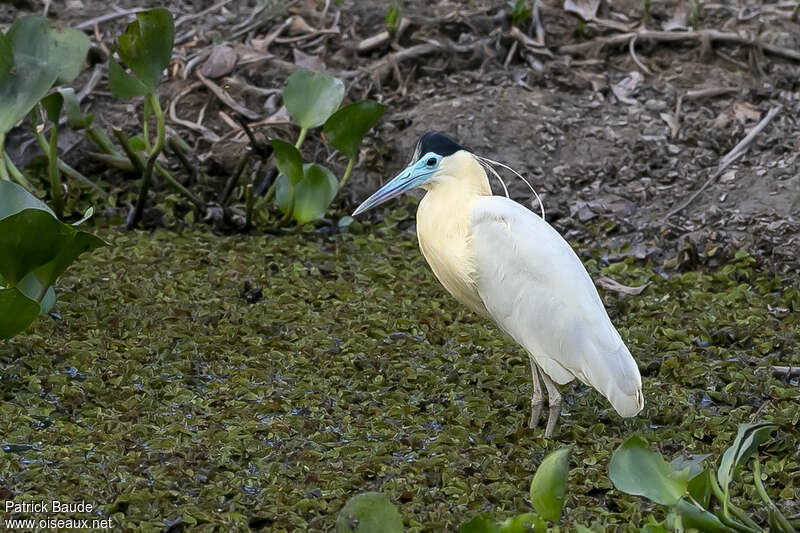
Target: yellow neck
{"points": [[443, 226]]}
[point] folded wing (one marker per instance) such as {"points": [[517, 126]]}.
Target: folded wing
{"points": [[538, 291]]}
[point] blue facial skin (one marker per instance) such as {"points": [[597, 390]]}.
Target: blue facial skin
{"points": [[411, 177]]}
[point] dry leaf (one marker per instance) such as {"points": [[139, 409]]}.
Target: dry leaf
{"points": [[303, 60], [612, 285], [299, 26], [585, 9], [220, 62], [627, 86], [745, 112]]}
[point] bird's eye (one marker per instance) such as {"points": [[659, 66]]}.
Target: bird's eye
{"points": [[431, 162]]}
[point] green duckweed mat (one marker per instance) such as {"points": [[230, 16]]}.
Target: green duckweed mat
{"points": [[170, 397]]}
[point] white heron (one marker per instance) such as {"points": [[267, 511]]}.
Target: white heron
{"points": [[506, 263]]}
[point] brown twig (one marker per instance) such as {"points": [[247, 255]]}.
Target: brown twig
{"points": [[632, 50], [110, 16], [226, 99], [173, 115], [737, 151], [671, 36]]}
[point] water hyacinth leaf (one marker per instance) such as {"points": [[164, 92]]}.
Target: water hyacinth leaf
{"points": [[122, 84], [29, 239], [72, 109], [80, 243], [699, 519], [748, 438], [370, 512], [549, 485], [42, 56], [17, 311], [636, 469], [694, 463], [146, 49], [314, 193], [700, 488], [283, 192], [52, 104], [312, 97], [479, 524], [6, 56], [289, 160], [345, 129], [524, 523], [31, 287], [14, 198]]}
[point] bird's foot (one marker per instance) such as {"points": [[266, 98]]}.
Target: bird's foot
{"points": [[536, 413], [552, 419]]}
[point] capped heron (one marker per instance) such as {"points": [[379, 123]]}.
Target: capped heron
{"points": [[506, 263]]}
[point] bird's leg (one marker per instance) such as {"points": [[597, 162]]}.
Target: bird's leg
{"points": [[554, 400], [537, 399]]}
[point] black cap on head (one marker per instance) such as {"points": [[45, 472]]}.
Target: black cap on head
{"points": [[436, 143]]}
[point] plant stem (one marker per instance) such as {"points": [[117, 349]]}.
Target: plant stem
{"points": [[63, 167], [248, 219], [234, 179], [347, 172], [139, 166], [301, 138], [151, 161], [101, 140], [52, 171], [136, 161], [724, 515], [762, 492]]}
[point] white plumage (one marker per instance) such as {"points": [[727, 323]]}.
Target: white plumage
{"points": [[504, 262]]}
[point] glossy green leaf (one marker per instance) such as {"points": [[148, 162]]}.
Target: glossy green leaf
{"points": [[345, 129], [524, 523], [14, 198], [312, 97], [370, 512], [636, 469], [748, 438], [28, 240], [80, 243], [72, 109], [17, 311], [479, 524], [31, 287], [700, 488], [42, 56], [549, 485], [393, 17], [283, 192], [288, 159], [52, 104], [122, 84], [694, 463], [146, 49], [314, 193], [6, 56], [700, 519]]}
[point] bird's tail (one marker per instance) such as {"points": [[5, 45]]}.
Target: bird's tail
{"points": [[618, 379]]}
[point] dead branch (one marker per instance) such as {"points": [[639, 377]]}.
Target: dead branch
{"points": [[226, 99], [173, 115], [671, 36], [738, 151]]}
